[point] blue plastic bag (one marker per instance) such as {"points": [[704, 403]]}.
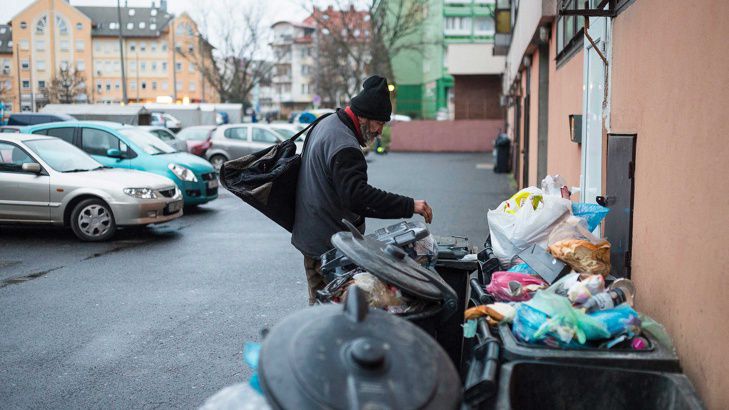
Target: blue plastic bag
{"points": [[592, 213], [621, 319], [522, 268]]}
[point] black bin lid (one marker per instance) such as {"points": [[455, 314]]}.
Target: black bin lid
{"points": [[354, 358], [390, 264]]}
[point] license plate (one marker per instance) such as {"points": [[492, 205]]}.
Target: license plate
{"points": [[213, 184], [173, 207]]}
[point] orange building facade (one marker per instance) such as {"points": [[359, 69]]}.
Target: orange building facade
{"points": [[160, 52], [631, 106]]}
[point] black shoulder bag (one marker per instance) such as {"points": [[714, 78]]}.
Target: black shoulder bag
{"points": [[267, 179]]}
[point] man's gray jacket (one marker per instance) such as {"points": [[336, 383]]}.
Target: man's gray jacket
{"points": [[333, 186]]}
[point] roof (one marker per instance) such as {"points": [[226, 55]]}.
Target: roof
{"points": [[146, 22], [109, 109], [6, 39], [20, 137]]}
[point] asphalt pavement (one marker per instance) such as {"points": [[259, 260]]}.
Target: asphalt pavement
{"points": [[157, 317]]}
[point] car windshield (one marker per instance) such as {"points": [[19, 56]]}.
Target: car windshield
{"points": [[287, 133], [194, 134], [147, 141], [62, 156]]}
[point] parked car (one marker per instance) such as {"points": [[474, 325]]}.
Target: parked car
{"points": [[125, 146], [167, 136], [33, 118], [162, 119], [9, 129], [45, 180], [236, 140], [287, 131], [197, 138]]}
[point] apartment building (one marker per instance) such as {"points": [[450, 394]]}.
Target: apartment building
{"points": [[293, 77], [625, 99], [159, 53]]}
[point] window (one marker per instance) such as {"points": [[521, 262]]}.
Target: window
{"points": [[12, 158], [23, 25], [238, 133], [132, 46], [97, 142], [24, 44], [40, 65], [41, 84], [116, 65], [192, 86], [98, 86], [108, 85], [178, 67], [165, 85], [154, 66], [153, 12], [117, 85], [97, 46], [80, 65], [263, 135], [79, 26], [132, 12], [80, 45], [114, 26], [65, 133], [569, 31], [133, 85], [164, 46], [304, 69], [153, 45], [191, 68], [26, 84], [458, 25], [142, 25], [178, 85], [143, 66], [132, 66], [40, 45], [107, 65], [154, 85], [153, 26], [130, 26], [61, 25], [144, 85], [41, 25], [190, 49], [65, 46], [484, 25], [143, 47], [25, 65], [164, 67]]}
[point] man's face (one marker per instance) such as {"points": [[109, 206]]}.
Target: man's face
{"points": [[370, 129]]}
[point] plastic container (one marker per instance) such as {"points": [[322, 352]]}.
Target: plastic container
{"points": [[534, 385], [656, 357]]}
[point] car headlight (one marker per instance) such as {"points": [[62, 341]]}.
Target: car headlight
{"points": [[183, 173], [142, 193]]}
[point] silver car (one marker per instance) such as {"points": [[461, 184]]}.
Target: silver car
{"points": [[45, 180], [167, 136], [233, 141]]}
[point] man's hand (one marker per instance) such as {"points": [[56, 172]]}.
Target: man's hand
{"points": [[422, 208]]}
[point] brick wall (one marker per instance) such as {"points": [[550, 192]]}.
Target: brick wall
{"points": [[445, 136], [477, 97]]}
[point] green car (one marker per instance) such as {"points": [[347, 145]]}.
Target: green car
{"points": [[125, 146]]}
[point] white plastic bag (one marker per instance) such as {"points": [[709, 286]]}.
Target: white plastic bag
{"points": [[514, 230]]}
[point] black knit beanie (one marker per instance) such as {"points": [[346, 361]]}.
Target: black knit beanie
{"points": [[373, 102]]}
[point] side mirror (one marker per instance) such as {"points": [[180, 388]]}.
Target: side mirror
{"points": [[113, 153], [33, 167]]}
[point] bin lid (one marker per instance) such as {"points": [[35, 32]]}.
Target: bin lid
{"points": [[390, 264], [355, 357]]}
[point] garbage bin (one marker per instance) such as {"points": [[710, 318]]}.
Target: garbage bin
{"points": [[355, 357], [391, 265], [502, 153], [536, 385]]}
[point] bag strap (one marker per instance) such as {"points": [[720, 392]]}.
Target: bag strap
{"points": [[311, 125]]}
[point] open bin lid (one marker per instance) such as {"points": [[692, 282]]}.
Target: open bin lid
{"points": [[391, 265]]}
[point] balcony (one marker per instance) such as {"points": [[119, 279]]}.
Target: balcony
{"points": [[501, 44]]}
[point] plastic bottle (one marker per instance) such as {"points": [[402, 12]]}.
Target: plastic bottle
{"points": [[621, 291]]}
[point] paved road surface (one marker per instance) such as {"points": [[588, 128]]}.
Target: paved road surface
{"points": [[157, 318]]}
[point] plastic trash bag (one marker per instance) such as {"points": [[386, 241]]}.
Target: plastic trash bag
{"points": [[379, 295], [552, 185], [522, 268], [593, 214], [514, 287], [621, 319], [571, 242], [525, 219], [581, 291], [425, 251], [655, 329], [236, 397], [563, 324]]}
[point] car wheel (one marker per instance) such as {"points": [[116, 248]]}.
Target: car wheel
{"points": [[217, 160], [92, 221]]}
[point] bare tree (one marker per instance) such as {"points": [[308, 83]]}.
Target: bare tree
{"points": [[234, 41], [357, 38], [65, 87], [5, 92]]}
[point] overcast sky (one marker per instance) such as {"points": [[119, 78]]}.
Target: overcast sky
{"points": [[275, 9]]}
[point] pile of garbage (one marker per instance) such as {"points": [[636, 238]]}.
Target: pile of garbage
{"points": [[555, 287]]}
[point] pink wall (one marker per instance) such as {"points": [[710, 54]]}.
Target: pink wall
{"points": [[445, 136], [565, 98], [670, 85]]}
